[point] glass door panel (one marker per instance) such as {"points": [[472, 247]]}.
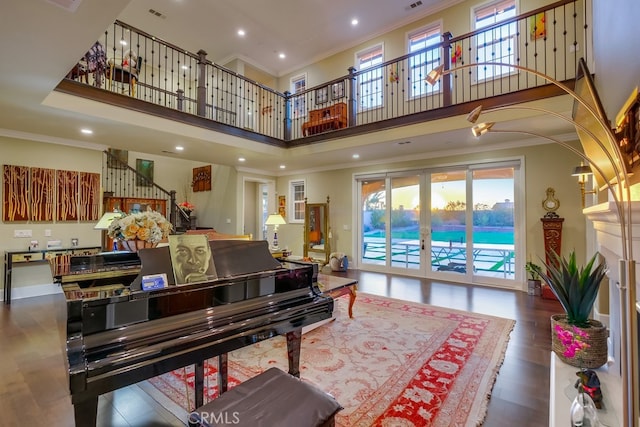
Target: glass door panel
{"points": [[448, 222], [405, 222], [493, 223], [373, 220]]}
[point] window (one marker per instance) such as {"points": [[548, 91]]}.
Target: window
{"points": [[299, 84], [497, 44], [422, 63], [297, 196], [370, 82]]}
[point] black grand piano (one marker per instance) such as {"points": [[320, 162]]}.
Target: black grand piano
{"points": [[119, 334]]}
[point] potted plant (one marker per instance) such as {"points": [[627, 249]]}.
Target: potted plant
{"points": [[576, 288], [533, 281]]}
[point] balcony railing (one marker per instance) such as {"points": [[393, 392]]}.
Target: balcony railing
{"points": [[549, 40]]}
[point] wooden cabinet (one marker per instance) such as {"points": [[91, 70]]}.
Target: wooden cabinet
{"points": [[324, 119], [135, 204]]}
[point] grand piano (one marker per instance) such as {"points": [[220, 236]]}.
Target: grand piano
{"points": [[119, 334]]}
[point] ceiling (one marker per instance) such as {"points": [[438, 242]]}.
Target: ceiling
{"points": [[41, 42]]}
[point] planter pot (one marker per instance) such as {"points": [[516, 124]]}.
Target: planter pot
{"points": [[134, 245], [533, 287], [592, 357]]}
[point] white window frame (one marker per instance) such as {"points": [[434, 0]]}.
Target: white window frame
{"points": [[482, 73], [427, 60], [368, 81], [299, 106], [298, 201]]}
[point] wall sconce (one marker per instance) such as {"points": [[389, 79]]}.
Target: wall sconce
{"points": [[275, 220], [582, 172]]}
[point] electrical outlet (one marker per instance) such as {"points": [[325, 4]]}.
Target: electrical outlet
{"points": [[47, 233], [22, 233], [574, 48]]}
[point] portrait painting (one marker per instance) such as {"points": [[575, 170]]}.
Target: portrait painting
{"points": [[191, 258], [145, 172]]}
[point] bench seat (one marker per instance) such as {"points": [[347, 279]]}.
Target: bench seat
{"points": [[272, 398]]}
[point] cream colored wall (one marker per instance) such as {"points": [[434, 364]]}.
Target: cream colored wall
{"points": [[20, 152], [545, 166], [212, 207], [456, 19]]}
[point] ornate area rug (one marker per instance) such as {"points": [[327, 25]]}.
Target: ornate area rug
{"points": [[396, 364]]}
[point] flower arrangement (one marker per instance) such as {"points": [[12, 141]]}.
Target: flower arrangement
{"points": [[187, 207], [149, 226], [573, 340]]}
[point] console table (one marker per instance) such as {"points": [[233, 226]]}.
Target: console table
{"points": [[57, 258]]}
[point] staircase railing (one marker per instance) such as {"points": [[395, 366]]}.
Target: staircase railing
{"points": [[550, 39], [121, 180]]}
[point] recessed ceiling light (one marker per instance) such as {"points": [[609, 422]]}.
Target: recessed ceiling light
{"points": [[123, 42], [185, 67], [282, 166], [86, 131], [356, 156], [179, 148], [282, 56], [241, 159], [241, 33], [354, 22]]}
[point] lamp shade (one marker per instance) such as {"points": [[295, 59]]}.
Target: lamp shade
{"points": [[582, 170], [106, 220], [275, 219], [481, 128]]}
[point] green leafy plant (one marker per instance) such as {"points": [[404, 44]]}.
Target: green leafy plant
{"points": [[533, 270], [575, 287]]}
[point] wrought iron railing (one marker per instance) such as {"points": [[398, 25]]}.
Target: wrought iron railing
{"points": [[172, 77], [121, 180]]}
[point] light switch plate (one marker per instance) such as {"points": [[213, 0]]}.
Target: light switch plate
{"points": [[22, 233]]}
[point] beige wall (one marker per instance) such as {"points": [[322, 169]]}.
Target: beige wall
{"points": [[456, 20], [212, 207]]}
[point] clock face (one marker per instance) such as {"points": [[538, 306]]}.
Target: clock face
{"points": [[550, 204]]}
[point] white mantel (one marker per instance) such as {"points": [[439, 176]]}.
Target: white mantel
{"points": [[608, 236]]}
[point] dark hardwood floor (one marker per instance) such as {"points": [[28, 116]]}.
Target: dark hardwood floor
{"points": [[33, 380]]}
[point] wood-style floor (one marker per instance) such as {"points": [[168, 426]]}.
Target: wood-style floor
{"points": [[34, 388]]}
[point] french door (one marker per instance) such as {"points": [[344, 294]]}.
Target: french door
{"points": [[467, 234]]}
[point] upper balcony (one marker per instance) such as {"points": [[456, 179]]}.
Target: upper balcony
{"points": [[156, 77]]}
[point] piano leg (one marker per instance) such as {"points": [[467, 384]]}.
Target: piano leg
{"points": [[86, 412], [294, 338], [199, 383], [223, 367]]}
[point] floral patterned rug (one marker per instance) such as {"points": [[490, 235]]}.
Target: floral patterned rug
{"points": [[395, 364]]}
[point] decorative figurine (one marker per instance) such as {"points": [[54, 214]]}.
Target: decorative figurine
{"points": [[591, 385]]}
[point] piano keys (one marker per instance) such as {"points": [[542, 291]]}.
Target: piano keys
{"points": [[129, 335]]}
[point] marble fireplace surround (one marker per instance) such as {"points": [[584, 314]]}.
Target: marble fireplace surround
{"points": [[608, 241]]}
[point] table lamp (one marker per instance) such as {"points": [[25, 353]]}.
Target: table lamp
{"points": [[275, 220]]}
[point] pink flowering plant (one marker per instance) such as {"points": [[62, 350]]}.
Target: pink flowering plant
{"points": [[573, 340]]}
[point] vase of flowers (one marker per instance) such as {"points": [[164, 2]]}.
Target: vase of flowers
{"points": [[577, 339], [187, 208], [138, 230]]}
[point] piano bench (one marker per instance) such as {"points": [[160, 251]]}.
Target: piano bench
{"points": [[273, 398]]}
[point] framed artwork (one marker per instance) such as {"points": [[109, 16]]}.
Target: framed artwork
{"points": [[537, 28], [201, 179], [282, 206], [118, 159], [337, 90], [191, 258], [145, 172], [322, 95]]}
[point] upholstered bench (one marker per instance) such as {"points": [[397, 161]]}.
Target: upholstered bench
{"points": [[273, 398]]}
